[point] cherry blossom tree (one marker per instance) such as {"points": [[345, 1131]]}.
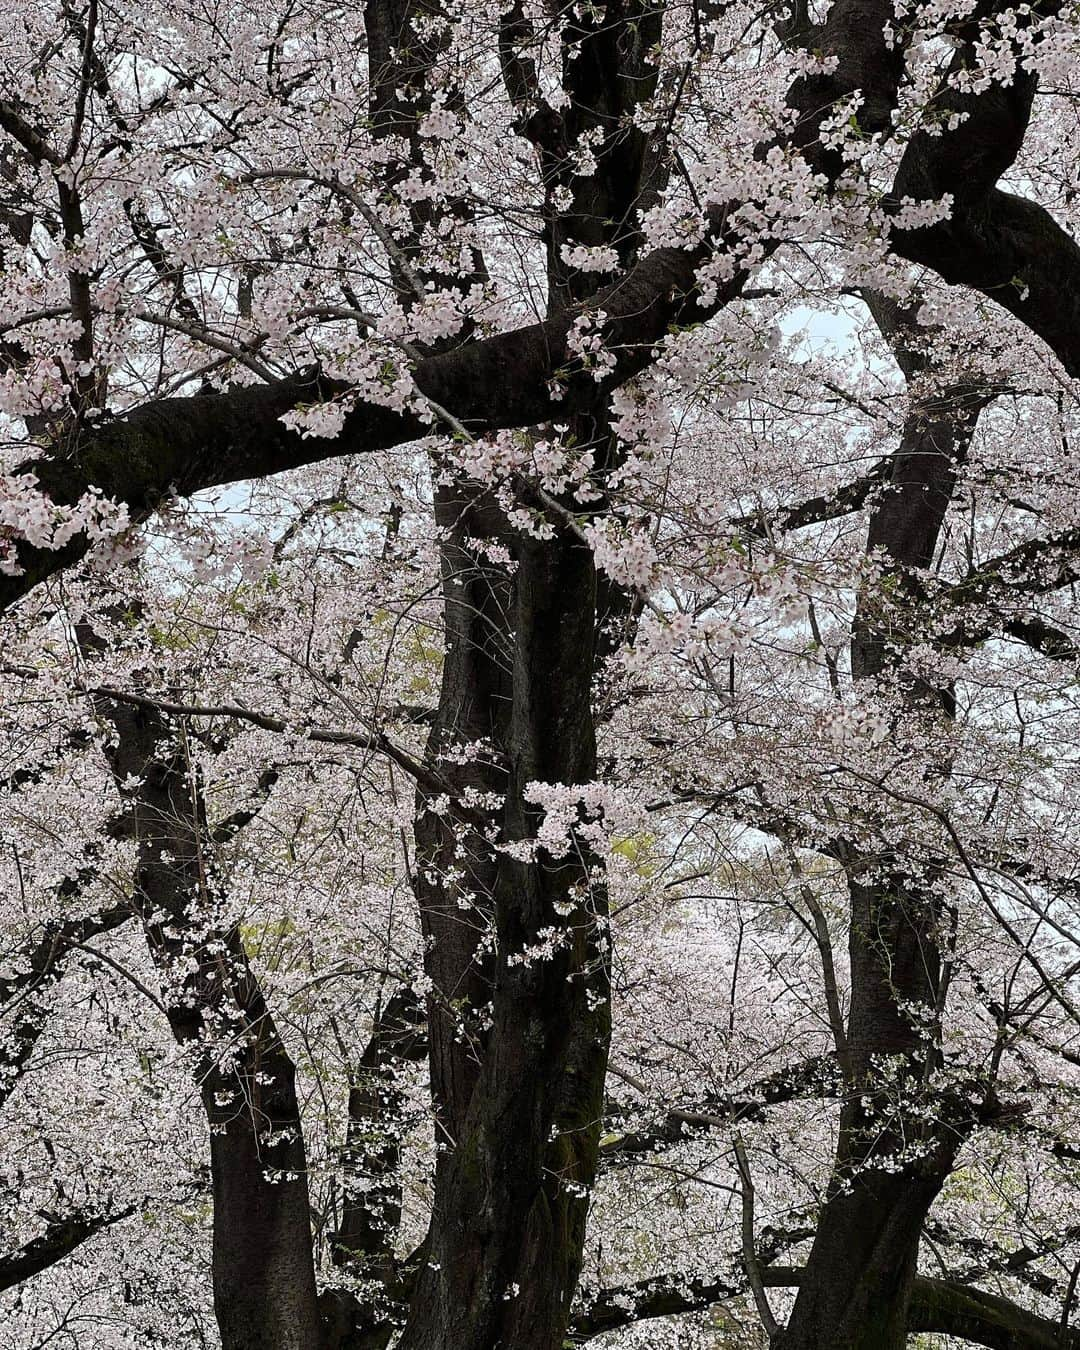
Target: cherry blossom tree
{"points": [[539, 678]]}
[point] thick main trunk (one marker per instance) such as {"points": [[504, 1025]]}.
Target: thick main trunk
{"points": [[856, 1290], [507, 1233], [505, 1242]]}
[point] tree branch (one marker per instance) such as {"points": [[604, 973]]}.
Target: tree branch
{"points": [[60, 1239], [945, 1307], [376, 741]]}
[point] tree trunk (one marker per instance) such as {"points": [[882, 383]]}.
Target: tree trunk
{"points": [[264, 1275], [504, 1248], [263, 1267], [891, 1159], [857, 1284], [456, 866]]}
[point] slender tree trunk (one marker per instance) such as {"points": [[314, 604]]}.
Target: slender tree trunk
{"points": [[371, 1205], [263, 1268], [856, 1287], [891, 1159]]}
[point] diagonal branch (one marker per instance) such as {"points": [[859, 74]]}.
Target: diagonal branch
{"points": [[515, 379], [60, 1239]]}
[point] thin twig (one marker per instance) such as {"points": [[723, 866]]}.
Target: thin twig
{"points": [[750, 1261]]}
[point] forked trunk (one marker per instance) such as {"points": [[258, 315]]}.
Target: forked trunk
{"points": [[511, 1191]]}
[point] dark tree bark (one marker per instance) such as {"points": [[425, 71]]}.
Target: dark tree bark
{"points": [[856, 1293], [505, 1241], [263, 1269], [60, 1238], [856, 1289], [371, 1205], [25, 998], [941, 1307], [520, 1100]]}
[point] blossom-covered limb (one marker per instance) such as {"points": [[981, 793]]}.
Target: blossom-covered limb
{"points": [[60, 1238]]}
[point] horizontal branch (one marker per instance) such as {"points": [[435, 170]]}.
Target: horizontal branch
{"points": [[984, 1259], [944, 1307], [375, 741], [990, 591], [519, 378], [950, 1308], [815, 1077], [515, 379], [1005, 246], [1044, 638], [845, 501]]}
